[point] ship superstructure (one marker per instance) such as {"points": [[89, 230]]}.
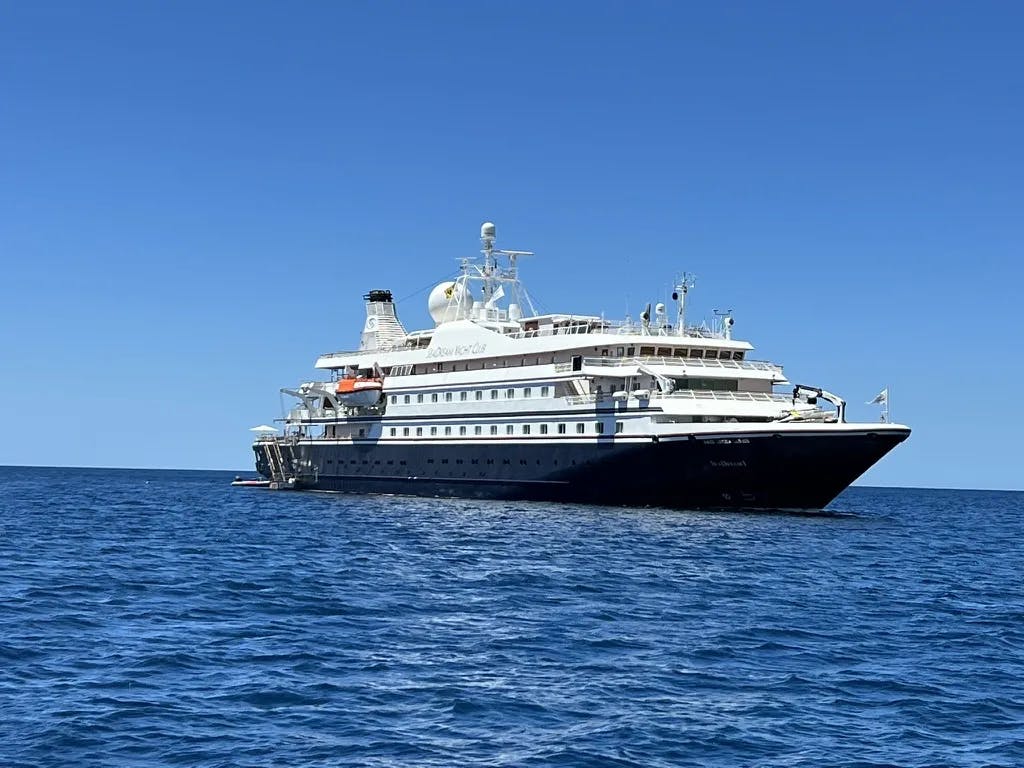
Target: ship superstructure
{"points": [[499, 401]]}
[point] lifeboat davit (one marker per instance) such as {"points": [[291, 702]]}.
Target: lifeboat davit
{"points": [[359, 391]]}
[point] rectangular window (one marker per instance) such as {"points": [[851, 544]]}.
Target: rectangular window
{"points": [[543, 429], [394, 399], [433, 397], [509, 429], [406, 399], [419, 398], [447, 397], [599, 427], [393, 432], [510, 393], [433, 431], [463, 396], [526, 429], [405, 431], [494, 429], [561, 429], [544, 391], [526, 392], [618, 427], [362, 432], [479, 394], [419, 431], [478, 430], [619, 351], [447, 431], [494, 394], [462, 430], [580, 428]]}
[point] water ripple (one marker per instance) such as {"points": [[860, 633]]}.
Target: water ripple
{"points": [[163, 618]]}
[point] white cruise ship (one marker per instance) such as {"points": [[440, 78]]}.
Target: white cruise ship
{"points": [[497, 401]]}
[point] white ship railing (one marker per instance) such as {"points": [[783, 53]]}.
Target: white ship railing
{"points": [[584, 325], [692, 394], [687, 362], [706, 394]]}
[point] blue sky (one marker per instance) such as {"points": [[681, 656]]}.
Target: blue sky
{"points": [[194, 197]]}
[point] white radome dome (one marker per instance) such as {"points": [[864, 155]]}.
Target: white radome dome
{"points": [[448, 301]]}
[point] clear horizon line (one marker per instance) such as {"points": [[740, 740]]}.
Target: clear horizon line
{"points": [[207, 469]]}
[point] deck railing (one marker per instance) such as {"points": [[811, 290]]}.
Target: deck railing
{"points": [[686, 362]]}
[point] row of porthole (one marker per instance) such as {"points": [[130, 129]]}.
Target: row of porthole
{"points": [[377, 462], [510, 429], [510, 394]]}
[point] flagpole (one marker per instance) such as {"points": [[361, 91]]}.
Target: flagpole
{"points": [[888, 398]]}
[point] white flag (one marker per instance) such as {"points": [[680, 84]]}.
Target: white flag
{"points": [[496, 296], [882, 398]]}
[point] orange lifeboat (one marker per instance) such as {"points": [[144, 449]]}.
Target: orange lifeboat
{"points": [[359, 391]]}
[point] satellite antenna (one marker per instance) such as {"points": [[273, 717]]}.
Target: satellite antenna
{"points": [[727, 321]]}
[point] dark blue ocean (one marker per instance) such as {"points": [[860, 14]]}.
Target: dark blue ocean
{"points": [[164, 618]]}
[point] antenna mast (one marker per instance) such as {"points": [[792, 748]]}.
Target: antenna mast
{"points": [[682, 287], [487, 235]]}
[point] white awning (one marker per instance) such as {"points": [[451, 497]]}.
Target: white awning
{"points": [[263, 428]]}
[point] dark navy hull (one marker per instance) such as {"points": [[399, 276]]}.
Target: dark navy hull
{"points": [[788, 470]]}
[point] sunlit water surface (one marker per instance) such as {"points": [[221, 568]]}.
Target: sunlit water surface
{"points": [[165, 618]]}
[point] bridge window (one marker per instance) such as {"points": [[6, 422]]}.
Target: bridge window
{"points": [[714, 385]]}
